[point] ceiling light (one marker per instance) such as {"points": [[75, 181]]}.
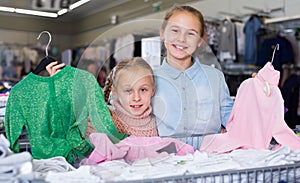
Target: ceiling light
{"points": [[7, 9], [37, 13], [43, 13], [77, 4], [62, 11]]}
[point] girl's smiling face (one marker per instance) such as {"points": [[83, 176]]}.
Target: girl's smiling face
{"points": [[134, 89], [181, 37]]}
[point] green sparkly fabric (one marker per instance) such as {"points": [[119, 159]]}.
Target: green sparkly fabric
{"points": [[55, 112]]}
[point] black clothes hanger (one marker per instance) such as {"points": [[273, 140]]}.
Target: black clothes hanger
{"points": [[46, 60]]}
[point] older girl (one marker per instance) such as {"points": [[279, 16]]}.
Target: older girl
{"points": [[191, 98]]}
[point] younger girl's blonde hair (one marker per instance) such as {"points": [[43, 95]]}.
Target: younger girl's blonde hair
{"points": [[124, 64]]}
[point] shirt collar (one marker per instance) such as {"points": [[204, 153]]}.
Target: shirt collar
{"points": [[175, 73]]}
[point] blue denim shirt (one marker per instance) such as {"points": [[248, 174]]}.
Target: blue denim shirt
{"points": [[194, 101]]}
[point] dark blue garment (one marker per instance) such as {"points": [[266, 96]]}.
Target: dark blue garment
{"points": [[251, 30], [284, 55], [290, 95]]}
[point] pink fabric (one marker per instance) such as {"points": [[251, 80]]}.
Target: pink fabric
{"points": [[104, 149], [147, 147], [132, 148], [142, 125], [255, 117]]}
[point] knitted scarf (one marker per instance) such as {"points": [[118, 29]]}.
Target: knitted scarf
{"points": [[142, 125]]}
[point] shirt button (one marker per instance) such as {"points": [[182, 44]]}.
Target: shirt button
{"points": [[183, 88], [184, 109]]}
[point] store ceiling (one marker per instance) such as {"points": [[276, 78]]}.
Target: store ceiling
{"points": [[95, 14], [93, 6], [89, 8]]}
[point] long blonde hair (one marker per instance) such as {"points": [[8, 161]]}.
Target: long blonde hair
{"points": [[124, 64]]}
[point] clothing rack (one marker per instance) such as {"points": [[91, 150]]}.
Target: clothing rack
{"points": [[15, 45], [278, 28], [282, 19], [212, 20], [232, 17], [275, 28]]}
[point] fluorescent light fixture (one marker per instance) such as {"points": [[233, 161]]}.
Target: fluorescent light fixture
{"points": [[77, 4], [7, 9], [43, 13], [62, 11], [37, 13]]}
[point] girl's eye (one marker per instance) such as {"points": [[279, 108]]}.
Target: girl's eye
{"points": [[191, 34], [174, 30], [144, 90], [128, 91]]}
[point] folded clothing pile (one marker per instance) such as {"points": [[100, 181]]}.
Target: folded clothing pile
{"points": [[14, 167]]}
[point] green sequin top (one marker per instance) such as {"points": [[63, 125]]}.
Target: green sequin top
{"points": [[55, 112]]}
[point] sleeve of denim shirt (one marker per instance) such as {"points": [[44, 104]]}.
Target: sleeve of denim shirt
{"points": [[225, 100]]}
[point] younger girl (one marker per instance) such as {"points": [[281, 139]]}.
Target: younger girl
{"points": [[131, 85]]}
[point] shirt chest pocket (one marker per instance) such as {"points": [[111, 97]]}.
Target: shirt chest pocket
{"points": [[204, 109]]}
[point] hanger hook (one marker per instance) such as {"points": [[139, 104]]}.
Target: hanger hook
{"points": [[48, 41], [276, 48]]}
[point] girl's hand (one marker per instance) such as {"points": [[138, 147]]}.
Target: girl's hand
{"points": [[223, 130], [53, 68], [253, 74]]}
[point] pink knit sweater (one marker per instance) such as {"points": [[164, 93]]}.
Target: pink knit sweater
{"points": [[143, 125]]}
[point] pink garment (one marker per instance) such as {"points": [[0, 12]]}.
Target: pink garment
{"points": [[132, 148], [255, 117], [104, 150], [147, 147]]}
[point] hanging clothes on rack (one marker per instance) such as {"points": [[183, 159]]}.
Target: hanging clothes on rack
{"points": [[227, 41], [240, 38], [212, 31], [11, 56], [30, 58], [251, 30], [290, 93]]}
